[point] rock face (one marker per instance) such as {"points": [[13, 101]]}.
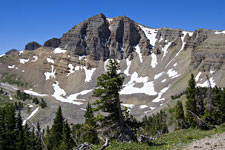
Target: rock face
{"points": [[103, 38], [32, 46], [54, 42], [12, 51]]}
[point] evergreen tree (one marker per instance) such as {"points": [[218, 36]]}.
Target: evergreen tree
{"points": [[20, 133], [107, 90], [191, 102], [180, 120], [10, 127], [2, 129], [56, 131]]}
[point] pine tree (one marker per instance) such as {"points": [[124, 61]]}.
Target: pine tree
{"points": [[222, 104], [20, 133], [180, 120], [191, 102], [2, 129], [107, 90], [56, 131], [10, 127]]}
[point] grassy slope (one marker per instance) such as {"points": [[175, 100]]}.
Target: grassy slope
{"points": [[176, 140]]}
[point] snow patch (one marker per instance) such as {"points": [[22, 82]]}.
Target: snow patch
{"points": [[35, 58], [211, 71], [220, 32], [198, 76], [60, 95], [150, 34], [148, 87], [165, 49], [49, 75], [30, 116], [34, 93], [71, 69], [11, 67], [89, 73], [172, 73], [59, 51], [82, 57], [2, 55], [23, 61], [143, 106], [158, 75], [50, 60], [154, 60], [206, 84], [158, 98], [109, 19], [128, 105], [126, 72], [175, 64], [30, 105], [139, 53], [164, 80]]}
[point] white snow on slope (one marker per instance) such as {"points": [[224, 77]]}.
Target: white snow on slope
{"points": [[50, 60], [148, 87], [182, 47], [211, 71], [31, 92], [139, 53], [71, 69], [60, 95], [206, 84], [126, 72], [128, 105], [158, 98], [165, 49], [109, 19], [164, 80], [35, 58], [59, 51], [49, 75], [175, 64], [30, 116], [172, 73], [82, 57], [154, 60], [11, 67], [2, 55], [23, 61], [150, 34], [198, 76], [89, 73], [158, 75], [220, 32], [143, 106]]}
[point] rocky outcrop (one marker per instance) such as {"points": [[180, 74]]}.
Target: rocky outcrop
{"points": [[103, 38], [54, 42], [12, 51], [32, 46]]}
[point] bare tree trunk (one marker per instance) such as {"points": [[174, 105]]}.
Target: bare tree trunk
{"points": [[123, 126]]}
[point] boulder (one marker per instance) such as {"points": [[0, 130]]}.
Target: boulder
{"points": [[32, 46]]}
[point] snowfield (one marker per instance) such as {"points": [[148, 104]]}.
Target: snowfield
{"points": [[59, 51], [126, 71], [154, 60], [35, 58], [206, 84], [49, 75], [60, 94], [23, 61], [30, 116], [89, 73], [138, 50], [50, 60], [71, 69], [31, 92], [158, 98], [148, 87], [198, 76], [150, 34]]}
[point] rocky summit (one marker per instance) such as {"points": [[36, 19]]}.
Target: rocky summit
{"points": [[156, 64]]}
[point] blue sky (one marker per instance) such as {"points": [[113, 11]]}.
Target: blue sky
{"points": [[22, 21]]}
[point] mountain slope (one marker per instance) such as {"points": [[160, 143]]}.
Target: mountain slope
{"points": [[156, 63]]}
